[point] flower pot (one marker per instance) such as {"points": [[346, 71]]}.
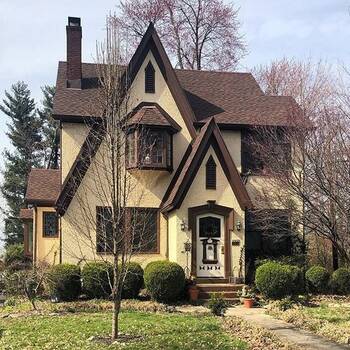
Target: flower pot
{"points": [[193, 293], [248, 303]]}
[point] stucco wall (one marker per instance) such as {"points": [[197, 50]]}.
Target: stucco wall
{"points": [[47, 248], [72, 137]]}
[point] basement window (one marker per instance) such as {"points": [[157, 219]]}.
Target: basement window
{"points": [[210, 174], [150, 79]]}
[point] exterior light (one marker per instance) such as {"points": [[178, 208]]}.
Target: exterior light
{"points": [[238, 225], [183, 225]]}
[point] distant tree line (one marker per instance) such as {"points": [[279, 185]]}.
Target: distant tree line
{"points": [[34, 138]]}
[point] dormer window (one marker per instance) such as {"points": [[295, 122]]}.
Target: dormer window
{"points": [[150, 79], [150, 138]]}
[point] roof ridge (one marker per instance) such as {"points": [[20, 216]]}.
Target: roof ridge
{"points": [[211, 71]]}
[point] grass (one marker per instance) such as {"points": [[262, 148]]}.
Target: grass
{"points": [[158, 331], [328, 318]]}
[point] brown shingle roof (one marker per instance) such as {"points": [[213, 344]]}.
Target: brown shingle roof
{"points": [[26, 214], [152, 114], [44, 186], [233, 98]]}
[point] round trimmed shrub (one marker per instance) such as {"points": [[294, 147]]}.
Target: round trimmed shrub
{"points": [[164, 280], [96, 277], [274, 280], [63, 282], [133, 281], [341, 281], [317, 279], [15, 258]]}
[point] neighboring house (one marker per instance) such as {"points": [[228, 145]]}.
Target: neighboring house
{"points": [[198, 198]]}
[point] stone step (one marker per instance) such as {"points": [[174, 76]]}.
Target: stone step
{"points": [[211, 287], [226, 295]]}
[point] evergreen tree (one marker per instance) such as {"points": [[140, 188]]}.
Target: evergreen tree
{"points": [[51, 135], [24, 132]]}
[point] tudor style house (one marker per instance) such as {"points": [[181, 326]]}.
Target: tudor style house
{"points": [[203, 181]]}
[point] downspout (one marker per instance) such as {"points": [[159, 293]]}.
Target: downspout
{"points": [[60, 233]]}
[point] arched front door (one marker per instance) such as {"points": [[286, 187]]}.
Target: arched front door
{"points": [[210, 245]]}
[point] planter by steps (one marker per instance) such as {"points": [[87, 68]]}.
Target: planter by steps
{"points": [[193, 292], [248, 303]]}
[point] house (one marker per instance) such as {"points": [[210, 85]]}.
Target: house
{"points": [[199, 192]]}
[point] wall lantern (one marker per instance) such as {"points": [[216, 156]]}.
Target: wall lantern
{"points": [[238, 225], [183, 225]]}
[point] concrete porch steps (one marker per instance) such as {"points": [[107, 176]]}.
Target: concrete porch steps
{"points": [[229, 290]]}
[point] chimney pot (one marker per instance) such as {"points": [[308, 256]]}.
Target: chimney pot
{"points": [[74, 35]]}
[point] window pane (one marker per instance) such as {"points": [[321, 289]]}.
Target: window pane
{"points": [[144, 229], [50, 224], [152, 152], [209, 227], [104, 229]]}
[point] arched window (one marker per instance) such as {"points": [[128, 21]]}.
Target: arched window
{"points": [[211, 174], [149, 78]]}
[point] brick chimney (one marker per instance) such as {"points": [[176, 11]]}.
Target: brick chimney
{"points": [[74, 35]]}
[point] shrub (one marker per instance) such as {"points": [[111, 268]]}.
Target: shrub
{"points": [[133, 281], [217, 304], [164, 280], [297, 279], [340, 281], [15, 258], [317, 279], [96, 277], [63, 282], [274, 280]]}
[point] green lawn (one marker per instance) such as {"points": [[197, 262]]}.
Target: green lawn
{"points": [[158, 331], [337, 314]]}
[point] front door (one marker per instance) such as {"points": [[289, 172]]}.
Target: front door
{"points": [[210, 245]]}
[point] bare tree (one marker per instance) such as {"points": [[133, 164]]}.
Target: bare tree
{"points": [[198, 34], [109, 224], [307, 162]]}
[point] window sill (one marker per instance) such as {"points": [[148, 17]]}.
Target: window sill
{"points": [[150, 167]]}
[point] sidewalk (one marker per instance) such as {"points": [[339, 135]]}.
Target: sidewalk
{"points": [[283, 330]]}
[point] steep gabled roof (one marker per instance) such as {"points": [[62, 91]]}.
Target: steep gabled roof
{"points": [[150, 41], [209, 136], [43, 187]]}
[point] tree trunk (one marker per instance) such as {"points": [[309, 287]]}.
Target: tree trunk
{"points": [[335, 260], [115, 320]]}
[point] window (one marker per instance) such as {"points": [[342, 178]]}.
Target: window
{"points": [[104, 230], [145, 229], [138, 226], [149, 149], [50, 224], [149, 78], [211, 174]]}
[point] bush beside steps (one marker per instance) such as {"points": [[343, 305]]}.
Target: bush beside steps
{"points": [[165, 281]]}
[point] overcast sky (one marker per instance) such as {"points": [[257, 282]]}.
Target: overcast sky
{"points": [[32, 36]]}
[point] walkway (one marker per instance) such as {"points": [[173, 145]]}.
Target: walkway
{"points": [[284, 330]]}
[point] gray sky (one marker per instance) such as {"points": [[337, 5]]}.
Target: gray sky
{"points": [[32, 36]]}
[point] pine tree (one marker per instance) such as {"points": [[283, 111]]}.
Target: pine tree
{"points": [[51, 135], [24, 132]]}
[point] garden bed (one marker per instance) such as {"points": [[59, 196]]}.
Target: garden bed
{"points": [[328, 316]]}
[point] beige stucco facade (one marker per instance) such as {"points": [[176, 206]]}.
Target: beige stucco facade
{"points": [[78, 224]]}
